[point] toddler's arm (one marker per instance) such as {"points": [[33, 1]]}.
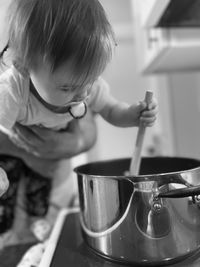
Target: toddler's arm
{"points": [[124, 115]]}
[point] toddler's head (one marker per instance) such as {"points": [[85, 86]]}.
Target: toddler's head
{"points": [[61, 31]]}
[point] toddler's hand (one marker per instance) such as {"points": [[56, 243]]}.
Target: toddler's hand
{"points": [[4, 183], [148, 113]]}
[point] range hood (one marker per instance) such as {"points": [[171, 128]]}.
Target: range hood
{"points": [[172, 29], [173, 13]]}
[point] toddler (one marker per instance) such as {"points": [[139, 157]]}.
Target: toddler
{"points": [[59, 49]]}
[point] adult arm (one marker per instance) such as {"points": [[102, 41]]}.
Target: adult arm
{"points": [[79, 137], [43, 149]]}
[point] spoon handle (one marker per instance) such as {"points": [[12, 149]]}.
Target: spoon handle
{"points": [[136, 159]]}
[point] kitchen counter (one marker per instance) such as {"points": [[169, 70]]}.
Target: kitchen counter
{"points": [[66, 246]]}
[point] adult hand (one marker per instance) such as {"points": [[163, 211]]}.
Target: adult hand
{"points": [[49, 144]]}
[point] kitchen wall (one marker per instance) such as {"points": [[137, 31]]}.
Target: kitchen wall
{"points": [[184, 93]]}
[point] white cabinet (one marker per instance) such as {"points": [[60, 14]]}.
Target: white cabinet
{"points": [[172, 50], [166, 48]]}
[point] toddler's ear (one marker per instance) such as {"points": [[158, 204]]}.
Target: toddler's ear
{"points": [[4, 183]]}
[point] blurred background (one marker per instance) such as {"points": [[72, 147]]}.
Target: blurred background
{"points": [[127, 84], [158, 49]]}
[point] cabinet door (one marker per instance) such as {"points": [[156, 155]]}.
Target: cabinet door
{"points": [[168, 35]]}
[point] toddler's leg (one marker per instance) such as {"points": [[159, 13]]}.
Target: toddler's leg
{"points": [[4, 183], [37, 193], [13, 169]]}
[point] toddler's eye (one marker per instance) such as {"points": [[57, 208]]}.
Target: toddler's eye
{"points": [[70, 88], [66, 89]]}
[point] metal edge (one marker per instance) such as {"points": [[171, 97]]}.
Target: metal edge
{"points": [[55, 234]]}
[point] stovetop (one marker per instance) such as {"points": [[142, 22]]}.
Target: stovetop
{"points": [[67, 248]]}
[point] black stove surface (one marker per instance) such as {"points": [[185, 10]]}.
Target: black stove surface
{"points": [[71, 251]]}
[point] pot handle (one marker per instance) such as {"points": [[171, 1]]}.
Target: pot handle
{"points": [[182, 192]]}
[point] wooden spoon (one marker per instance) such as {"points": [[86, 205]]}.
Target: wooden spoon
{"points": [[136, 159]]}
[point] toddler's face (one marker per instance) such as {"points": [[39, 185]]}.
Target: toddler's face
{"points": [[57, 87]]}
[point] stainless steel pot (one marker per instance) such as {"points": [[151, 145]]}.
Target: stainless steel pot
{"points": [[150, 219]]}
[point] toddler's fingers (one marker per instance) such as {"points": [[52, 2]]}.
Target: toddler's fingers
{"points": [[149, 124], [142, 106], [149, 113], [4, 183], [148, 121], [153, 104]]}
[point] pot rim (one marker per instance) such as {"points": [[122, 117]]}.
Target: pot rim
{"points": [[139, 178]]}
